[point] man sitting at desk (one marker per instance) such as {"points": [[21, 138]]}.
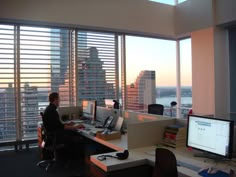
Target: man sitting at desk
{"points": [[64, 131], [52, 118]]}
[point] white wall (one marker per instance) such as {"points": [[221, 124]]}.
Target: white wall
{"points": [[203, 72], [138, 16], [210, 72], [222, 87], [192, 15], [225, 11]]}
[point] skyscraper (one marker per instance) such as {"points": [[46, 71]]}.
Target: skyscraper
{"points": [[8, 112], [9, 97], [29, 108], [59, 57], [142, 92], [92, 78]]}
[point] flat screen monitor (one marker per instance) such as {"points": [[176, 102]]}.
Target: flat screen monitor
{"points": [[213, 136], [89, 109]]}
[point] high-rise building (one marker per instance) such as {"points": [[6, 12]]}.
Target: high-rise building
{"points": [[2, 104], [142, 92], [2, 114], [29, 108], [9, 98], [65, 99], [8, 112], [92, 83], [59, 57]]}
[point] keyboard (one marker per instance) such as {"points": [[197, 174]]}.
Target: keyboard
{"points": [[88, 121], [189, 166]]}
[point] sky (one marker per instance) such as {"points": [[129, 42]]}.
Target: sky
{"points": [[158, 55]]}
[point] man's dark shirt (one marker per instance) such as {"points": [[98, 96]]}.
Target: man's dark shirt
{"points": [[51, 120]]}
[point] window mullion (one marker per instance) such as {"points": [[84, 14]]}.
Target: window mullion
{"points": [[178, 79], [17, 83], [123, 71], [76, 67], [116, 68]]}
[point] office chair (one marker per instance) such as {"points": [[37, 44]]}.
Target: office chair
{"points": [[51, 147], [165, 164], [156, 109]]}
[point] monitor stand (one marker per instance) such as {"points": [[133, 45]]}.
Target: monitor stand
{"points": [[210, 156]]}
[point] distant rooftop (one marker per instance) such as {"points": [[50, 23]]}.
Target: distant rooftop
{"points": [[169, 2]]}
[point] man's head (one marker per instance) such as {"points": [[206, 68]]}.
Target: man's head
{"points": [[54, 98]]}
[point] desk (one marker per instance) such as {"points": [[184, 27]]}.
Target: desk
{"points": [[140, 161], [146, 156], [116, 144], [141, 147]]}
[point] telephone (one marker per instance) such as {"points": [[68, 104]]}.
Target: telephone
{"points": [[108, 122]]}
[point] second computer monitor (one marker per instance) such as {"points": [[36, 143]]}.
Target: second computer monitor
{"points": [[89, 109], [210, 135]]}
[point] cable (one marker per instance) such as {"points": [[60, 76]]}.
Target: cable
{"points": [[103, 157]]}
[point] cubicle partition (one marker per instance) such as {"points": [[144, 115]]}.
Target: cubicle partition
{"points": [[147, 133], [132, 117], [144, 132]]}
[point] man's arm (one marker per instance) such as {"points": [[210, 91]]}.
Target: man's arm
{"points": [[72, 126]]}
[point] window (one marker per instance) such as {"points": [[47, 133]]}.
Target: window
{"points": [[44, 68], [152, 79], [180, 1], [34, 61], [169, 2], [97, 66], [82, 64], [7, 84]]}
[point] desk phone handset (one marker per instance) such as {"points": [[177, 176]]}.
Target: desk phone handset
{"points": [[108, 122], [119, 155]]}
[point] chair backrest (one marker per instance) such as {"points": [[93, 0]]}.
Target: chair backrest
{"points": [[165, 164], [44, 123], [156, 109], [49, 137]]}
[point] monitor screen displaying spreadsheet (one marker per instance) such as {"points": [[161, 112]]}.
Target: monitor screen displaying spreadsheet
{"points": [[211, 135]]}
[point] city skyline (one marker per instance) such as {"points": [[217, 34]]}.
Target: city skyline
{"points": [[151, 54]]}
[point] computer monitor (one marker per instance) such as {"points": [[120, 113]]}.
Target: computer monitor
{"points": [[89, 109], [213, 136]]}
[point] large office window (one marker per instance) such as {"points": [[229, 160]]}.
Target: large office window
{"points": [[150, 73], [7, 83], [34, 61], [97, 66], [44, 67], [82, 64]]}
